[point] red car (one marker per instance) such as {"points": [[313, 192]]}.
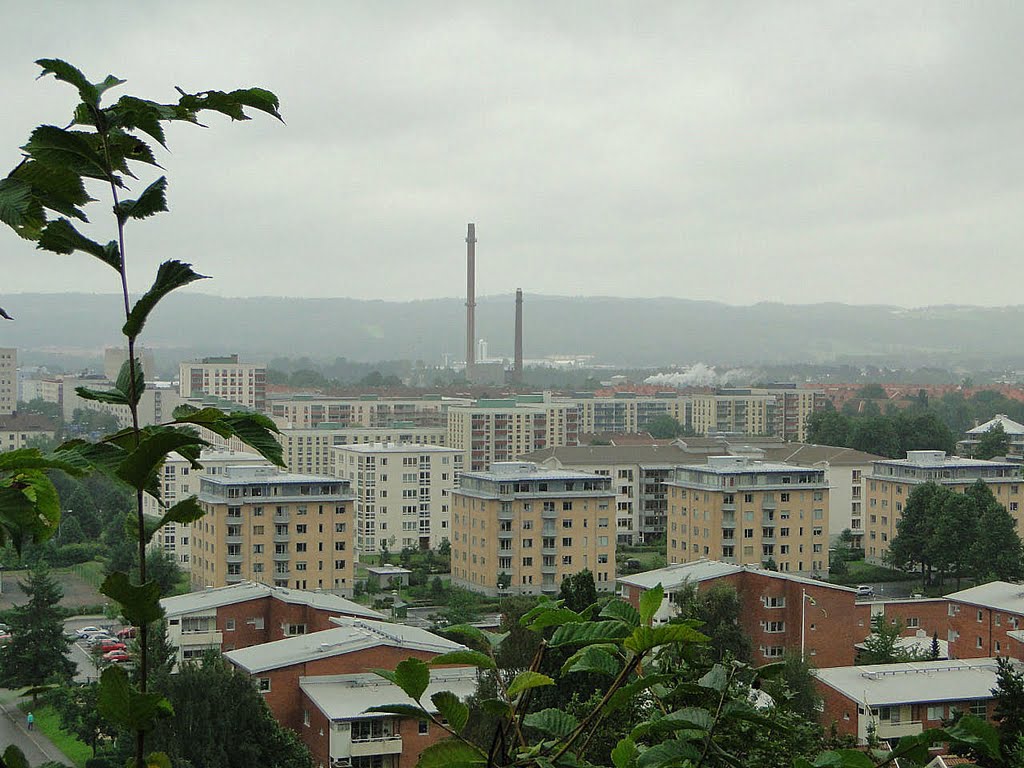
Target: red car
{"points": [[116, 656], [127, 633], [112, 646]]}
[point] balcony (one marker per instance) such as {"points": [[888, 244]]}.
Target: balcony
{"points": [[282, 557], [233, 558], [389, 745], [206, 639], [283, 517], [887, 730], [232, 539], [280, 538], [233, 578], [549, 514]]}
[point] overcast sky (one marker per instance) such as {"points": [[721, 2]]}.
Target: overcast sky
{"points": [[741, 152]]}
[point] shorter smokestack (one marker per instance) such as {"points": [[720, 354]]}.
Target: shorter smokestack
{"points": [[517, 367]]}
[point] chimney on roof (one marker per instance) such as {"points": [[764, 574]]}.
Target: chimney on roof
{"points": [[470, 297], [517, 366]]}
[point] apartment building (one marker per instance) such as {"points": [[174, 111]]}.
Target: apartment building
{"points": [[114, 359], [8, 380], [520, 529], [156, 405], [500, 430], [987, 620], [897, 700], [638, 474], [781, 612], [340, 732], [179, 481], [247, 613], [18, 430], [310, 451], [227, 378], [402, 493], [274, 527], [302, 411], [736, 412], [892, 480], [749, 512], [1013, 430], [627, 412], [352, 645], [793, 408]]}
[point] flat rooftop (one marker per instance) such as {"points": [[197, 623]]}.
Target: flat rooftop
{"points": [[879, 685], [674, 576], [396, 447], [347, 697], [999, 595], [511, 471], [215, 597]]}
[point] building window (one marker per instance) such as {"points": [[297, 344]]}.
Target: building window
{"points": [[229, 625], [305, 717], [913, 622], [979, 707], [263, 685], [937, 712], [424, 727], [295, 629]]}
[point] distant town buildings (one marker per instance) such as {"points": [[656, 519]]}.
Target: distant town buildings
{"points": [[892, 480], [8, 380], [19, 430], [749, 512], [226, 378], [402, 493], [274, 527], [520, 529], [1013, 430]]}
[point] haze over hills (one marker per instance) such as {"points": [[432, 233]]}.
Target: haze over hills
{"points": [[626, 332]]}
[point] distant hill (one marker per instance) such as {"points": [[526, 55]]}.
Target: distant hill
{"points": [[627, 332]]}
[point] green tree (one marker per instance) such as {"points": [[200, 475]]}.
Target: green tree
{"points": [[872, 391], [997, 551], [911, 547], [664, 427], [923, 432], [1009, 711], [578, 591], [876, 435], [882, 645], [954, 536], [828, 427], [77, 706], [994, 442], [37, 651], [220, 719]]}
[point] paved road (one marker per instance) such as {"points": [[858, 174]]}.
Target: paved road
{"points": [[80, 653], [37, 748]]}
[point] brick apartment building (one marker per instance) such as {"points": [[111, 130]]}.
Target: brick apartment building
{"points": [[987, 620], [352, 646], [340, 732], [246, 614], [772, 616]]}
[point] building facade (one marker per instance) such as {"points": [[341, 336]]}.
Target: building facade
{"points": [[18, 430], [226, 378], [521, 529], [892, 480], [310, 451], [402, 493], [274, 527], [300, 411], [8, 380], [749, 512]]}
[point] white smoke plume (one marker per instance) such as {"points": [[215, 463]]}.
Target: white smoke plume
{"points": [[701, 375]]}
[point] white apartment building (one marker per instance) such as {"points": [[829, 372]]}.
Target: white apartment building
{"points": [[309, 451], [402, 493], [226, 378], [179, 481], [8, 380], [302, 411]]}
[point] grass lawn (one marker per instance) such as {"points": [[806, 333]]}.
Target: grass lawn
{"points": [[90, 572], [861, 572], [48, 723], [650, 559]]}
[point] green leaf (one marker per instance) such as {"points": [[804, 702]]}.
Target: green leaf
{"points": [[29, 507], [170, 275], [976, 733], [139, 468], [495, 707], [139, 604], [473, 658], [131, 113], [715, 678], [588, 633], [109, 82], [645, 638], [668, 753], [451, 709], [451, 753], [104, 457], [403, 710], [15, 201], [152, 201], [524, 681], [689, 718], [413, 677], [843, 758], [4, 315], [626, 693], [60, 236], [253, 429], [67, 73], [621, 610], [102, 395], [555, 618], [121, 703], [592, 658], [624, 753], [72, 150], [15, 758], [650, 602], [231, 104], [55, 187], [124, 381], [553, 722], [32, 458], [184, 512]]}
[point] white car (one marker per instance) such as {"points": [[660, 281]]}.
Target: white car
{"points": [[85, 632], [865, 590]]}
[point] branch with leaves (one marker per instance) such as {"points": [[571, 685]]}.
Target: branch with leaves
{"points": [[44, 200]]}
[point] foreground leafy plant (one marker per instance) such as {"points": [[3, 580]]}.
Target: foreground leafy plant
{"points": [[44, 200]]}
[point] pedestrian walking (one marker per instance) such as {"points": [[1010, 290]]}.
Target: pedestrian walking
{"points": [[31, 721]]}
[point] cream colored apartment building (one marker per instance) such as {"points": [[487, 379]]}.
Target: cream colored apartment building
{"points": [[748, 512], [626, 412], [310, 451], [179, 480], [742, 413], [892, 480], [371, 411], [520, 529], [19, 430], [225, 378], [403, 493], [502, 429], [274, 527], [8, 380]]}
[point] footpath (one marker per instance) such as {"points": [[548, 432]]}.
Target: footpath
{"points": [[14, 730]]}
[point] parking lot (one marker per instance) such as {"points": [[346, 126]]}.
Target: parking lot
{"points": [[88, 668]]}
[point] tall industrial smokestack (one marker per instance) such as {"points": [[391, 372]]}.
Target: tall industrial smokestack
{"points": [[517, 369], [470, 296]]}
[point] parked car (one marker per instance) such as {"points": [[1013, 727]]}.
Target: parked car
{"points": [[127, 633], [5, 638], [100, 639], [86, 632], [865, 590], [116, 656], [112, 646]]}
